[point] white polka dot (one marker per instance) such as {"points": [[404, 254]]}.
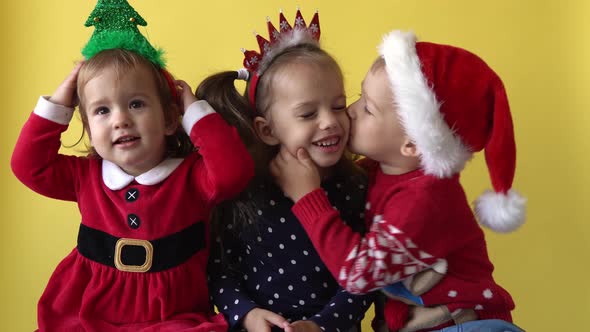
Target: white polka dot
{"points": [[332, 304], [236, 301], [325, 284], [361, 186], [336, 315], [270, 301], [272, 202], [269, 279], [293, 262], [230, 226], [269, 254], [281, 271], [290, 287], [293, 237], [305, 252], [350, 317], [304, 278], [259, 239], [452, 293], [270, 229], [282, 246], [257, 286], [368, 206], [488, 293], [338, 185], [254, 269], [245, 277], [301, 302], [347, 198], [313, 296], [282, 220], [350, 300], [236, 317], [225, 308], [479, 307], [221, 291], [259, 212], [317, 268], [276, 296]]}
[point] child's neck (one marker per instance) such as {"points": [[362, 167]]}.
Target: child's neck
{"points": [[400, 166]]}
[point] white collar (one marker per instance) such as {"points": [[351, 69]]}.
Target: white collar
{"points": [[115, 178]]}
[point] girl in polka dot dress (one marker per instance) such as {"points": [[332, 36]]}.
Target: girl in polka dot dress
{"points": [[265, 274], [424, 110], [144, 196]]}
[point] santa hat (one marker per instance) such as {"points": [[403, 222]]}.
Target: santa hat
{"points": [[452, 104]]}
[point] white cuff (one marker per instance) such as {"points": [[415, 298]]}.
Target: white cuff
{"points": [[53, 112], [195, 112]]}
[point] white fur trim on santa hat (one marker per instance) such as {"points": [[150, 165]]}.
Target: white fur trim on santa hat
{"points": [[500, 212], [442, 152]]}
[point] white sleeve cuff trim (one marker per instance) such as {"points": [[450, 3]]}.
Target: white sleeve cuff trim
{"points": [[195, 112], [53, 112]]}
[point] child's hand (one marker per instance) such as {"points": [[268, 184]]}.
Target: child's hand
{"points": [[65, 94], [297, 176], [260, 320], [303, 326], [186, 94]]}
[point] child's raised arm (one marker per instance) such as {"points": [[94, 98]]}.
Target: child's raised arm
{"points": [[227, 166], [35, 159]]}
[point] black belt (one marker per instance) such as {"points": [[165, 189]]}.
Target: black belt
{"points": [[136, 255]]}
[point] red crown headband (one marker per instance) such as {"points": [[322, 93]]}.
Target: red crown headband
{"points": [[287, 36]]}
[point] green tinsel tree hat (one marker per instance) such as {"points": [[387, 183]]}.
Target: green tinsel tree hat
{"points": [[115, 26]]}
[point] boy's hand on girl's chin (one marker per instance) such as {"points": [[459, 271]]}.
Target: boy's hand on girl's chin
{"points": [[295, 175], [65, 94], [186, 95], [303, 326]]}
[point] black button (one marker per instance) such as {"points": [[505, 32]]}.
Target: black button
{"points": [[132, 195], [133, 221]]}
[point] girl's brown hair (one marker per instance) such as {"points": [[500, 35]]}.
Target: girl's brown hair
{"points": [[121, 61]]}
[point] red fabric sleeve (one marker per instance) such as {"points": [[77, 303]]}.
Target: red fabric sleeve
{"points": [[389, 252], [227, 166], [37, 163]]}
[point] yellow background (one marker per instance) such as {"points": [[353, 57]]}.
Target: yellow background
{"points": [[540, 48]]}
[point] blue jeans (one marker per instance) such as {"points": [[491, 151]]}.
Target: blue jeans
{"points": [[487, 325]]}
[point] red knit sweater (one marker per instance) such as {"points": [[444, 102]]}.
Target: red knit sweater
{"points": [[416, 221]]}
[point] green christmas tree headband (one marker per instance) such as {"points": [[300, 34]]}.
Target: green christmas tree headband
{"points": [[115, 26]]}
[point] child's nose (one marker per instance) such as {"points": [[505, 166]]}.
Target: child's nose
{"points": [[328, 119], [351, 111], [121, 119]]}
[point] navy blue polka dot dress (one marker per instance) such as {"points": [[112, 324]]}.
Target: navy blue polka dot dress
{"points": [[273, 264]]}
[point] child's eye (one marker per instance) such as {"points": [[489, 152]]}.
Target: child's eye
{"points": [[339, 108], [136, 104], [101, 111], [308, 115]]}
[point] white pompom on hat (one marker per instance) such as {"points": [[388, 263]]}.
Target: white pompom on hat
{"points": [[452, 104]]}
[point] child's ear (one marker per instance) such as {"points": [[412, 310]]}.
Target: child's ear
{"points": [[408, 148], [264, 132], [172, 119]]}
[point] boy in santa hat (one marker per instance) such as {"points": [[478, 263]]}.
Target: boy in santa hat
{"points": [[425, 109]]}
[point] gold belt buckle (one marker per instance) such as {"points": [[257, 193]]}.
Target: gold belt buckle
{"points": [[149, 254]]}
